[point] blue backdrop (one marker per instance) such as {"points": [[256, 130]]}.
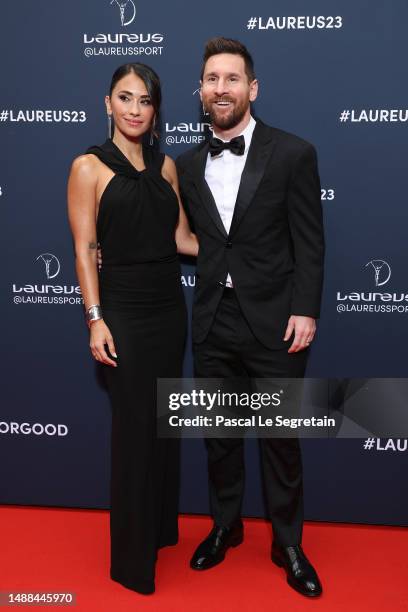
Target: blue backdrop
{"points": [[334, 76]]}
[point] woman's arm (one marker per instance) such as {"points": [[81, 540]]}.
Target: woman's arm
{"points": [[186, 241], [81, 214]]}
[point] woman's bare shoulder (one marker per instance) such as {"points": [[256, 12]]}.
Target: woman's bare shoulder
{"points": [[86, 167], [85, 163]]}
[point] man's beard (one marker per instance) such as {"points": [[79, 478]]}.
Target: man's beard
{"points": [[227, 121]]}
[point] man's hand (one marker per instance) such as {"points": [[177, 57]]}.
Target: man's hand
{"points": [[304, 327], [99, 257]]}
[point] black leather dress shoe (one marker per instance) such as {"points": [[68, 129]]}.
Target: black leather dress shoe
{"points": [[301, 574], [212, 550]]}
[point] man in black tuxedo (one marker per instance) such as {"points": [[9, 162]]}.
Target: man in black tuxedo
{"points": [[253, 197]]}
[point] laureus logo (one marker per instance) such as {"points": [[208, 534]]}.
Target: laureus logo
{"points": [[382, 271], [127, 11], [52, 265]]}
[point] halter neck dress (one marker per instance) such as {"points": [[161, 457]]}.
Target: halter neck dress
{"points": [[143, 306]]}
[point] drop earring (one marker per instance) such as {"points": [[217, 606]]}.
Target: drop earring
{"points": [[109, 126], [152, 131]]}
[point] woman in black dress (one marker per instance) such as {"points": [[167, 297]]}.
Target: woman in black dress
{"points": [[124, 195]]}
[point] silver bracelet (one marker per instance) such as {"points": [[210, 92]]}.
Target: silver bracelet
{"points": [[94, 313]]}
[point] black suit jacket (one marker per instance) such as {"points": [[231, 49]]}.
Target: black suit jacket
{"points": [[275, 248]]}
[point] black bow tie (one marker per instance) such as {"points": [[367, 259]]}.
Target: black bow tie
{"points": [[236, 146]]}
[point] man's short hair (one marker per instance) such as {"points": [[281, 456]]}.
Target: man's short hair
{"points": [[219, 44]]}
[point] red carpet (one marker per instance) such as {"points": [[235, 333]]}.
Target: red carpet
{"points": [[59, 550]]}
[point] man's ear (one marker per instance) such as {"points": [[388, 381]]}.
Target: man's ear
{"points": [[253, 90], [199, 91]]}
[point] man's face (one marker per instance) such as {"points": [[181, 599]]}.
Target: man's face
{"points": [[225, 90]]}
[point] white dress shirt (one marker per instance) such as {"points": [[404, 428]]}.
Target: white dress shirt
{"points": [[223, 176]]}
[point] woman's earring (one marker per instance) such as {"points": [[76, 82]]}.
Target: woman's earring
{"points": [[109, 126], [152, 131]]}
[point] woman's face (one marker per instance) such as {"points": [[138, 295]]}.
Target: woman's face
{"points": [[131, 106]]}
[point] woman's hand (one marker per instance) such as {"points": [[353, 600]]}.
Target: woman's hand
{"points": [[99, 336]]}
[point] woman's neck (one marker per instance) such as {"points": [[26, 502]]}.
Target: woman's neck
{"points": [[132, 149]]}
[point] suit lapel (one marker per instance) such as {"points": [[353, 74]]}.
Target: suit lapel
{"points": [[198, 173], [261, 148]]}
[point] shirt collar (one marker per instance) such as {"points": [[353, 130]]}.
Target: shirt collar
{"points": [[246, 133]]}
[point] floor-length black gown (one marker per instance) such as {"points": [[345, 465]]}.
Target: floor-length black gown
{"points": [[143, 306]]}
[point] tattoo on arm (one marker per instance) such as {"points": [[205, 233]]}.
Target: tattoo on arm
{"points": [[92, 245]]}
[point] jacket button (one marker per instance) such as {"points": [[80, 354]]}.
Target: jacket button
{"points": [[228, 245]]}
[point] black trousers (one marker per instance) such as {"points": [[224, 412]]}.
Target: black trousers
{"points": [[231, 350]]}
